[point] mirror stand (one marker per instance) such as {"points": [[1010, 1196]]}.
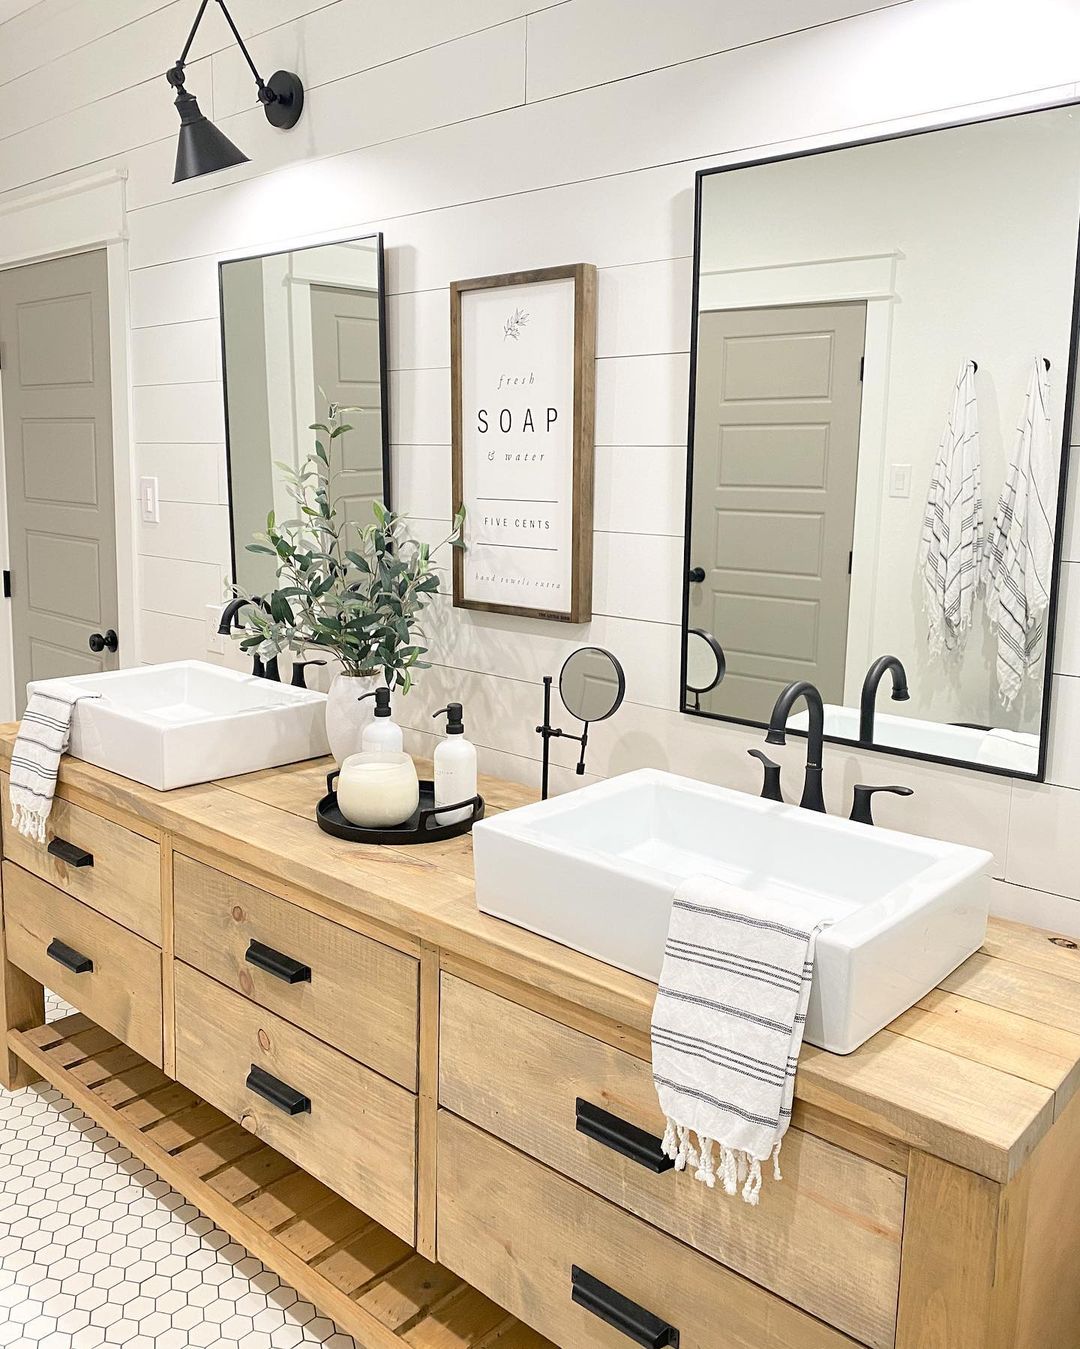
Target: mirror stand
{"points": [[548, 733]]}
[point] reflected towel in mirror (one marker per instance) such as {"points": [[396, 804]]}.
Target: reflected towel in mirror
{"points": [[952, 537], [1019, 563]]}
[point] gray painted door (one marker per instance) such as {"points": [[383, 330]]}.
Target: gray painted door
{"points": [[345, 348], [58, 461], [776, 449]]}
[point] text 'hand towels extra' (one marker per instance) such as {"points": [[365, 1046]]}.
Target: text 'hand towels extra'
{"points": [[43, 737], [951, 547], [727, 1028], [1020, 550]]}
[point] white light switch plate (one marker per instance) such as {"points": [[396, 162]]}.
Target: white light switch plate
{"points": [[900, 480], [215, 643], [149, 507]]}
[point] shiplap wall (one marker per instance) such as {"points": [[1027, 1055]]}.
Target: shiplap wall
{"points": [[494, 135]]}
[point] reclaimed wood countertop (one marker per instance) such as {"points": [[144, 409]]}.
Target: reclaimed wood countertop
{"points": [[976, 1072]]}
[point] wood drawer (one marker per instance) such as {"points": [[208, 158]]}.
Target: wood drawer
{"points": [[124, 881], [826, 1238], [359, 1135], [361, 997], [122, 992], [515, 1230]]}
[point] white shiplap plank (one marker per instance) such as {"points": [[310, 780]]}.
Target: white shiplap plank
{"points": [[644, 308], [637, 576], [192, 473], [420, 478], [642, 400], [420, 407], [187, 532], [419, 330], [1044, 839], [173, 586], [640, 489], [177, 292], [589, 42], [344, 39], [184, 413], [176, 353], [168, 637]]}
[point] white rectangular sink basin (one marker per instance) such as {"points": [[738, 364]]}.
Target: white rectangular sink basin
{"points": [[185, 722], [1014, 750], [597, 869]]}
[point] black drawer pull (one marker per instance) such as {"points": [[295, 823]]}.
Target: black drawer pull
{"points": [[67, 956], [280, 966], [278, 1093], [627, 1317], [70, 853], [615, 1133]]}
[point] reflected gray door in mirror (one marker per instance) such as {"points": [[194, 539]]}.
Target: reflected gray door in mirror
{"points": [[592, 684], [302, 329], [881, 375]]}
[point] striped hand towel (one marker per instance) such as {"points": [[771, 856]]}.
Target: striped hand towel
{"points": [[727, 1028], [1020, 550], [35, 761], [952, 537]]}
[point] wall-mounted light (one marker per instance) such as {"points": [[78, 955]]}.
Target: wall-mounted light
{"points": [[202, 148]]}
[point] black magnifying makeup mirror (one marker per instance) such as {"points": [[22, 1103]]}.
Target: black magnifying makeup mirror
{"points": [[706, 664], [592, 685]]}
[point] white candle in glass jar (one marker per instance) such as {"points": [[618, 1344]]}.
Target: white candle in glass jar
{"points": [[378, 789]]}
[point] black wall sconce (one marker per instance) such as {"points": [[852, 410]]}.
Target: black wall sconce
{"points": [[202, 148]]}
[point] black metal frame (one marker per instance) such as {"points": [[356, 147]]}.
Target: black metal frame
{"points": [[384, 377], [1067, 422]]}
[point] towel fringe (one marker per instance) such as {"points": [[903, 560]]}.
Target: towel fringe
{"points": [[28, 821], [736, 1170]]}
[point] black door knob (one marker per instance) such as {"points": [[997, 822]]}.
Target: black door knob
{"points": [[696, 574], [107, 641]]}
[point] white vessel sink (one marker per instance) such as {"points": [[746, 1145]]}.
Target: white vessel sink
{"points": [[597, 869], [185, 722], [1001, 749]]}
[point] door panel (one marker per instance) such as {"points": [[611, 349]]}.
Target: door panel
{"points": [[345, 344], [58, 455], [776, 444]]}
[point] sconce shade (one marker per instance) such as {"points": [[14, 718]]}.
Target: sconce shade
{"points": [[202, 148]]}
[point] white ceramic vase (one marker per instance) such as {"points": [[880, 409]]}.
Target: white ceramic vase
{"points": [[346, 716]]}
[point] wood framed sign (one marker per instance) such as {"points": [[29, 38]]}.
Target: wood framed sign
{"points": [[523, 352]]}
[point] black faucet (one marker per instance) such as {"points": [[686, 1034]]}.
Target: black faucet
{"points": [[230, 619], [813, 797], [874, 676]]}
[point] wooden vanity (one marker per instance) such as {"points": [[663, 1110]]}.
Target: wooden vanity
{"points": [[393, 1100]]}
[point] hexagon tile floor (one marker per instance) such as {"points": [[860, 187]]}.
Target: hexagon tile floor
{"points": [[95, 1250]]}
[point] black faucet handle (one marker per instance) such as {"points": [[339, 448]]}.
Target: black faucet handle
{"points": [[862, 804], [770, 788], [299, 679]]}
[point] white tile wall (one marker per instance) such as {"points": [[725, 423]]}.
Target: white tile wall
{"points": [[490, 137]]}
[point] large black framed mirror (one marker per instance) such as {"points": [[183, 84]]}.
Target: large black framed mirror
{"points": [[882, 369], [300, 329]]}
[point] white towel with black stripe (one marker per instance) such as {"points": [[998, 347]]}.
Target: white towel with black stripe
{"points": [[1020, 550], [727, 1028], [952, 537], [44, 735]]}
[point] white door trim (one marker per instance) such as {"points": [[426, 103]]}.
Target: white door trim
{"points": [[36, 228], [869, 277]]}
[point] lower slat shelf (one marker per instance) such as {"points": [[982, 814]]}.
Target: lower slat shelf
{"points": [[373, 1284]]}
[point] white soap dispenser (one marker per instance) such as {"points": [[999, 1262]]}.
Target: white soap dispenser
{"points": [[455, 767], [383, 733]]}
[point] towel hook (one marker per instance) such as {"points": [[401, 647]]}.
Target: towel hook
{"points": [[1046, 362], [975, 366]]}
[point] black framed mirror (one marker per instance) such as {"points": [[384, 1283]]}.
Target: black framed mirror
{"points": [[882, 377], [300, 329]]}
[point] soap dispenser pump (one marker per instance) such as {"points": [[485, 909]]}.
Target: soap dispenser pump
{"points": [[383, 733], [455, 767]]}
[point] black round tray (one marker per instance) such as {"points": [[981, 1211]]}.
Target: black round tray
{"points": [[420, 827]]}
